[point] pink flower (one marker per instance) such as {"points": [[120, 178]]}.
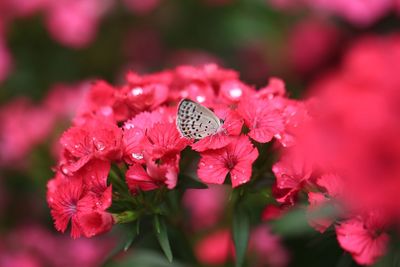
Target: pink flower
{"points": [[52, 250], [154, 176], [332, 183], [232, 91], [363, 238], [78, 19], [275, 88], [23, 126], [232, 126], [98, 139], [268, 248], [134, 138], [104, 102], [82, 199], [71, 95], [205, 206], [165, 141], [144, 93], [271, 212], [236, 158], [262, 119], [291, 173], [209, 73], [311, 44], [360, 12], [215, 248]]}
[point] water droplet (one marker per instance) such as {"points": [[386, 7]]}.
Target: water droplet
{"points": [[137, 91], [137, 156], [200, 98], [235, 92], [99, 145], [129, 125], [64, 170]]}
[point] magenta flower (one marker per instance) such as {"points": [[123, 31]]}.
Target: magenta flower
{"points": [[363, 238], [236, 159], [82, 200], [262, 119]]}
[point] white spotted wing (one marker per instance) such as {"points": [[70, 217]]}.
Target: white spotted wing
{"points": [[196, 121]]}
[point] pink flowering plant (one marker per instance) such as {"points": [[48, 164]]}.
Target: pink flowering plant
{"points": [[198, 138], [126, 159]]}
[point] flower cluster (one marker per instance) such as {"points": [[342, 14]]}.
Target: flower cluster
{"points": [[79, 19], [348, 155], [358, 12], [24, 124], [20, 247], [133, 127]]}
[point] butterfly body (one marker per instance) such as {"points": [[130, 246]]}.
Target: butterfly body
{"points": [[196, 121]]}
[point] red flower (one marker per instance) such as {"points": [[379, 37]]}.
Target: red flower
{"points": [[363, 238], [209, 73], [271, 212], [22, 127], [98, 139], [82, 199], [205, 206], [153, 177], [134, 139], [275, 88], [268, 248], [236, 158], [232, 91], [215, 249], [94, 176], [262, 119], [332, 183], [291, 172], [103, 102], [144, 93], [165, 141], [232, 126]]}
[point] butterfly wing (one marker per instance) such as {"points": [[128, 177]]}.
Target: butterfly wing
{"points": [[196, 121]]}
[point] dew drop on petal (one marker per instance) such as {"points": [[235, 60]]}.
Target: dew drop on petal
{"points": [[65, 170], [99, 145], [235, 92], [137, 91], [137, 156], [200, 98]]}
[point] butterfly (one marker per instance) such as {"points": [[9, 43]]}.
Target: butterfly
{"points": [[196, 121]]}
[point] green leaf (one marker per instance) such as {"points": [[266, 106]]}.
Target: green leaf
{"points": [[293, 223], [145, 258], [162, 236], [240, 231], [131, 236], [187, 182]]}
